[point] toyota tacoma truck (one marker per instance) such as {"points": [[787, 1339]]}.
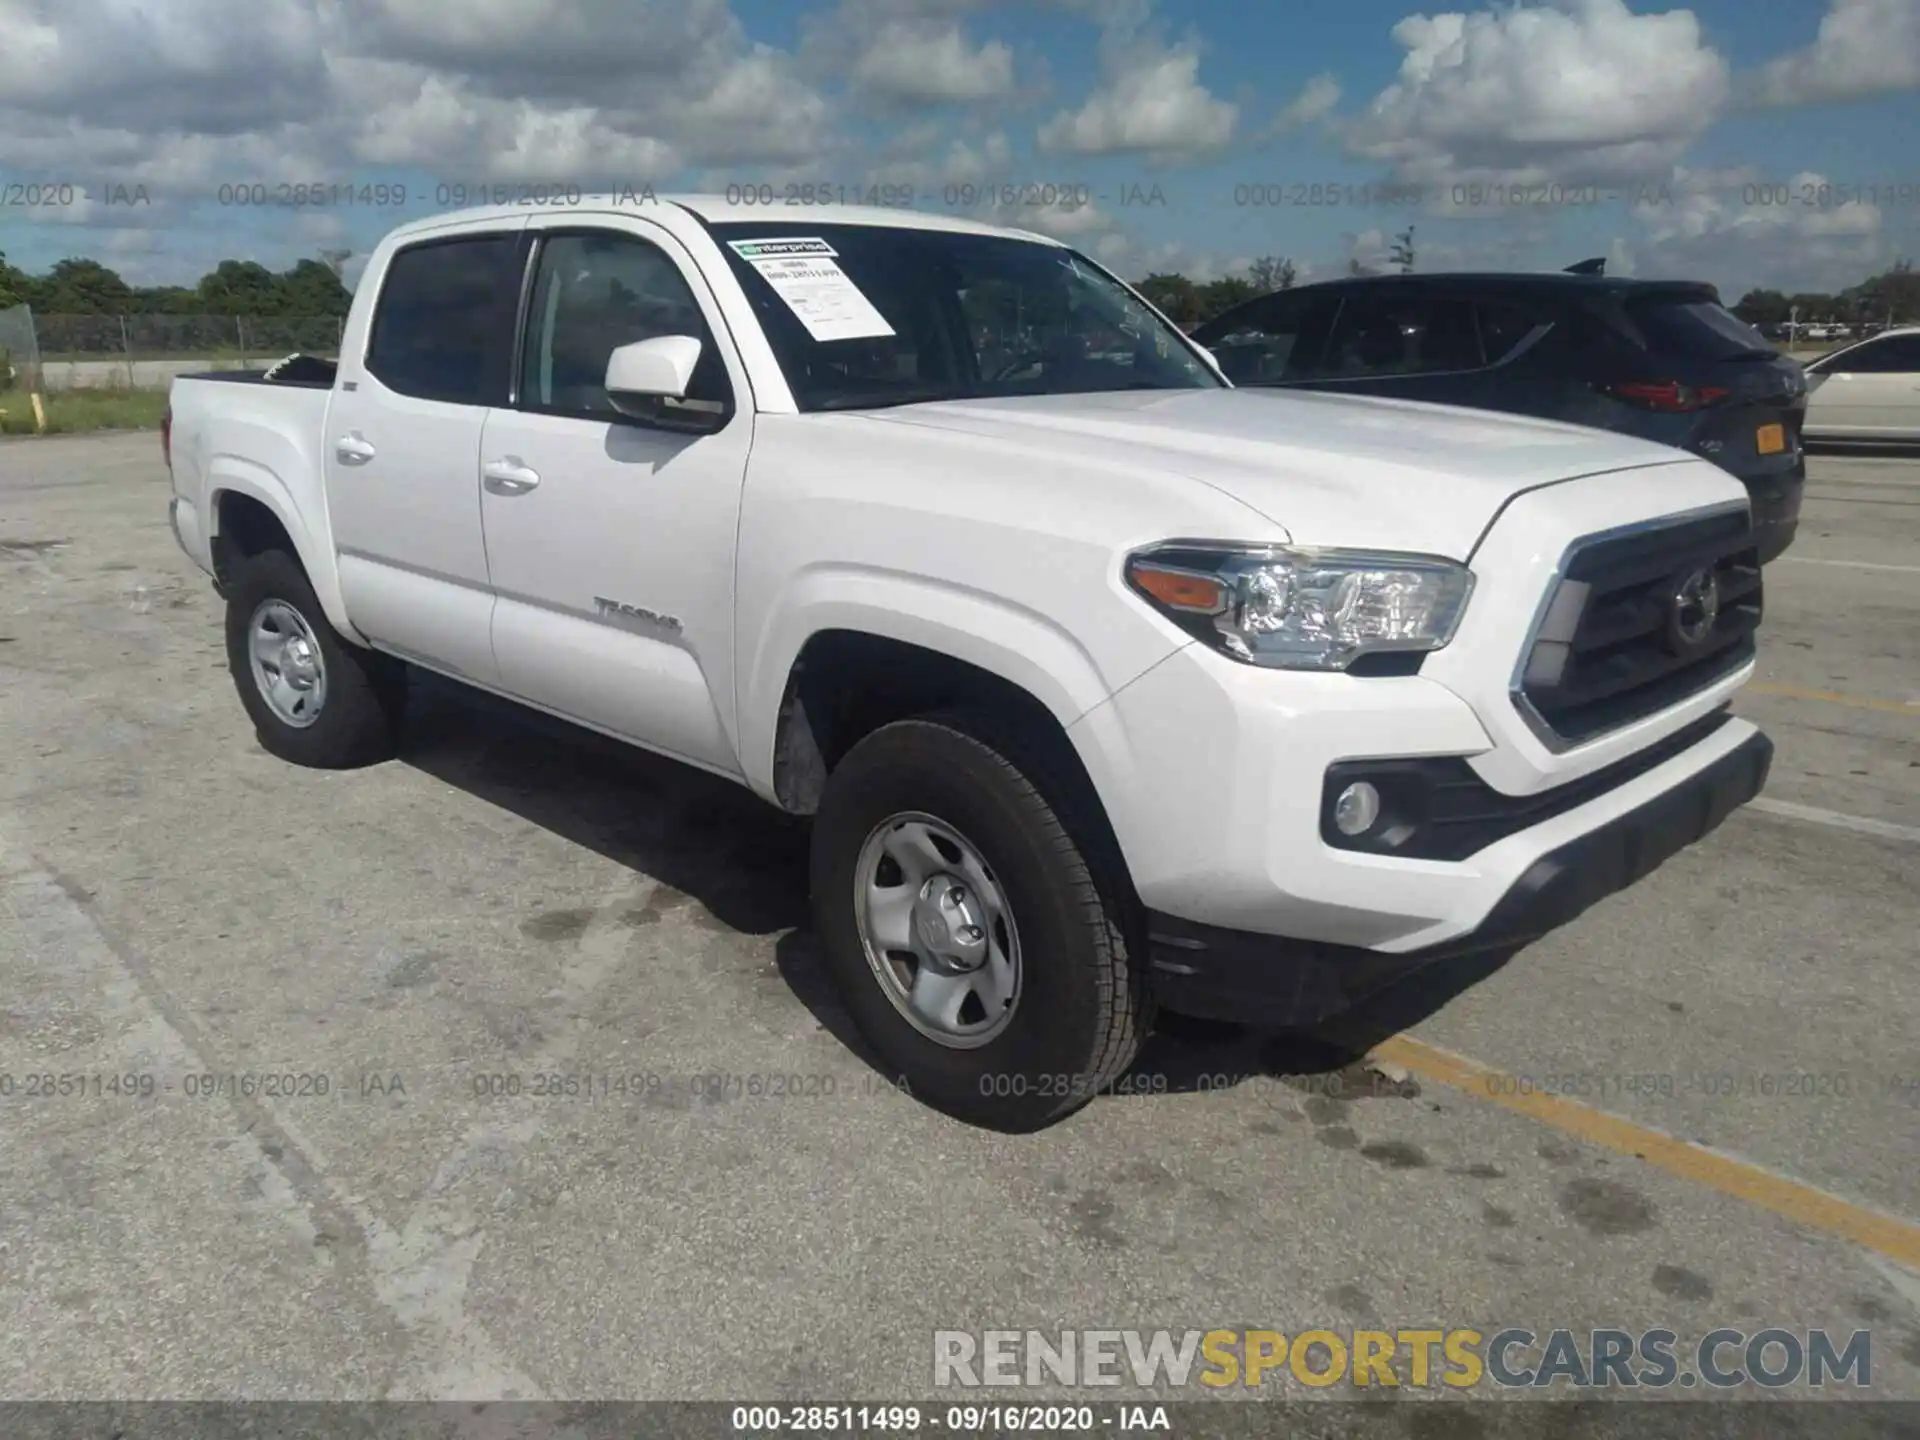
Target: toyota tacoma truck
{"points": [[1106, 686]]}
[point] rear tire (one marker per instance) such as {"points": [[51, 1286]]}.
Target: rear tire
{"points": [[314, 698], [960, 802]]}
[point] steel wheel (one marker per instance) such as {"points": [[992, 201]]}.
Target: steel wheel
{"points": [[287, 664], [937, 930]]}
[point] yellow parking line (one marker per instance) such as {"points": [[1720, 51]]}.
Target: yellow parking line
{"points": [[1896, 1239], [1830, 697]]}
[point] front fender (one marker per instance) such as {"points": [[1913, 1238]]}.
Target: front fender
{"points": [[1018, 644], [235, 474]]}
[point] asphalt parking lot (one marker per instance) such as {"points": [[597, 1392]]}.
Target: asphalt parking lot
{"points": [[514, 899]]}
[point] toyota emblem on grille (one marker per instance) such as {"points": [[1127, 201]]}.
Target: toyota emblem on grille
{"points": [[1694, 608]]}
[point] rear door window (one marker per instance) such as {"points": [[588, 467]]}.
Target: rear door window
{"points": [[443, 326], [1416, 336], [1505, 326], [1261, 343], [1696, 328]]}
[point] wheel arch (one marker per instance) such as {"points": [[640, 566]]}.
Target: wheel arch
{"points": [[250, 509], [846, 684], [984, 636]]}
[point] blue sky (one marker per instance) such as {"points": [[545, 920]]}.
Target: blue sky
{"points": [[1767, 144]]}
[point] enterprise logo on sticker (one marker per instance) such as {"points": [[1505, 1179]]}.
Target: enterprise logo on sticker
{"points": [[775, 249]]}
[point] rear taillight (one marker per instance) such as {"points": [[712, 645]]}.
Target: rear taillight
{"points": [[166, 437], [1670, 397]]}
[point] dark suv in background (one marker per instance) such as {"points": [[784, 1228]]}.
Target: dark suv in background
{"points": [[1659, 359]]}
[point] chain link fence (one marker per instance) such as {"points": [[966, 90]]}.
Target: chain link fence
{"points": [[19, 353], [145, 352]]}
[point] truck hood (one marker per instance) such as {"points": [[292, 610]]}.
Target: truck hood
{"points": [[1330, 470]]}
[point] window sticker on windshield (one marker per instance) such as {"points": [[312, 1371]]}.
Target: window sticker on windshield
{"points": [[768, 249], [803, 273]]}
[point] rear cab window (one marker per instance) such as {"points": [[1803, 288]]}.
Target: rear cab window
{"points": [[443, 322]]}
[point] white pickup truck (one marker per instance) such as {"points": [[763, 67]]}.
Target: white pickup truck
{"points": [[1106, 686]]}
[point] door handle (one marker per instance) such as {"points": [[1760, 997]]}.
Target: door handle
{"points": [[352, 449], [508, 476]]}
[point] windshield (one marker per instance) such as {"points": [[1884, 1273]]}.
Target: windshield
{"points": [[861, 316]]}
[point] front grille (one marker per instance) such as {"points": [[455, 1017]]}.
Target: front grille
{"points": [[1617, 640]]}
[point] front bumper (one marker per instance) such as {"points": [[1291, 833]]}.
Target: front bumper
{"points": [[1259, 979], [1213, 775]]}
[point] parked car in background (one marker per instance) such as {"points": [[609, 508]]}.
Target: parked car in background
{"points": [[1662, 360], [1869, 391]]}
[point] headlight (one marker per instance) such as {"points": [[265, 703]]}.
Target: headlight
{"points": [[1303, 609]]}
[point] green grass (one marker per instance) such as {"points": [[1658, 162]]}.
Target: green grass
{"points": [[79, 412]]}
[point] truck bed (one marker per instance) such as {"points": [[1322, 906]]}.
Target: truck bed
{"points": [[275, 422], [301, 372]]}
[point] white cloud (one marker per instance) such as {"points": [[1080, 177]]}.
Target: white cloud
{"points": [[1314, 103], [1705, 206], [128, 242], [1150, 103], [413, 117], [977, 165], [421, 120], [917, 160], [1079, 224], [1724, 228], [913, 61], [215, 66], [1370, 248], [1588, 93], [188, 96], [72, 205], [1864, 47], [567, 89], [756, 111], [323, 229], [1133, 261], [573, 51]]}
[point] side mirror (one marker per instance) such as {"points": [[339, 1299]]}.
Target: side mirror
{"points": [[648, 381]]}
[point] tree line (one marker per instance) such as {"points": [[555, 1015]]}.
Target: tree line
{"points": [[1188, 302], [1893, 295], [312, 289], [76, 286]]}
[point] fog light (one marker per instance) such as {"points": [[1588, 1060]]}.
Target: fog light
{"points": [[1356, 809]]}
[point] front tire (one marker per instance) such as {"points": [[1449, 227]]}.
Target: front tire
{"points": [[979, 952], [314, 698]]}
